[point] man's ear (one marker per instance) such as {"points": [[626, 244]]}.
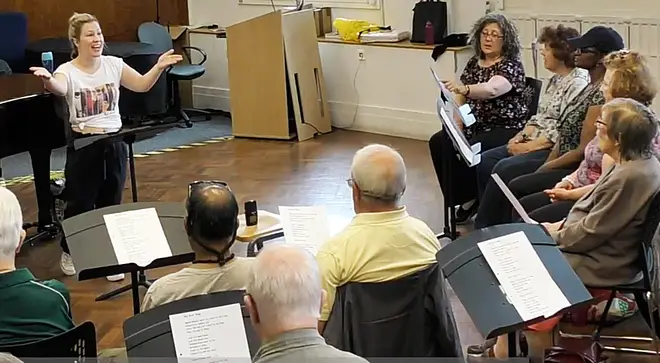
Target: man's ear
{"points": [[21, 240], [252, 309]]}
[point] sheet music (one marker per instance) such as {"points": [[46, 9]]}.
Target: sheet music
{"points": [[210, 335], [525, 280], [457, 135], [137, 236], [306, 227], [464, 111], [512, 199]]}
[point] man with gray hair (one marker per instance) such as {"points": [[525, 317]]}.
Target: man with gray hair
{"points": [[382, 242], [31, 310], [284, 298]]}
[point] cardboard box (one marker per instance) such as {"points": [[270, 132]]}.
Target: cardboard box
{"points": [[181, 38], [323, 20]]}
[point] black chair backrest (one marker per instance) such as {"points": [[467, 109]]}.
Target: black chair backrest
{"points": [[650, 254], [149, 334], [537, 86], [78, 343], [156, 35]]}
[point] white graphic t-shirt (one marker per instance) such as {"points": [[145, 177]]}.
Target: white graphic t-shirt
{"points": [[93, 99]]}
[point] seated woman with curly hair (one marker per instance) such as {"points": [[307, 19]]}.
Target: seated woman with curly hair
{"points": [[627, 75], [493, 84]]}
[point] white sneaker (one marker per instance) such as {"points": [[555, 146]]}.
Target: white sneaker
{"points": [[66, 264], [115, 278]]}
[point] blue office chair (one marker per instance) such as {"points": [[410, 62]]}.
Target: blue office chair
{"points": [[12, 48], [158, 36]]}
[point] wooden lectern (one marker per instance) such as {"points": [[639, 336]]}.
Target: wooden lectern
{"points": [[276, 81]]}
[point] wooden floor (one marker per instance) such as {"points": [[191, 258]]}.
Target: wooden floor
{"points": [[272, 172]]}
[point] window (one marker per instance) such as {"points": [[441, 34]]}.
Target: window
{"points": [[346, 4]]}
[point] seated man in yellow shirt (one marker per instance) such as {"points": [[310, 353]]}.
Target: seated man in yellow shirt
{"points": [[382, 242]]}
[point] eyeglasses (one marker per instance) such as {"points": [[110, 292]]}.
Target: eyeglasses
{"points": [[350, 182], [204, 183], [599, 121], [587, 50], [492, 35]]}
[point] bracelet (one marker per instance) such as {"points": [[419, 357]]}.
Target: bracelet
{"points": [[467, 91], [568, 179]]}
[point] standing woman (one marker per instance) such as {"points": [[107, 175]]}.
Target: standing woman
{"points": [[90, 83], [493, 84]]}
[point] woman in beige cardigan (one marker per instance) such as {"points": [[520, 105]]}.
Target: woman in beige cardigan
{"points": [[600, 236]]}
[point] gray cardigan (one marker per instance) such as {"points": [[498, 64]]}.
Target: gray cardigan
{"points": [[601, 235]]}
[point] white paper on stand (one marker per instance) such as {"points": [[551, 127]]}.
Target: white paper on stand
{"points": [[210, 335], [137, 236], [456, 134], [306, 227], [523, 277], [512, 199]]}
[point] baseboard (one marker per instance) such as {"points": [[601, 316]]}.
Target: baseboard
{"points": [[373, 119]]}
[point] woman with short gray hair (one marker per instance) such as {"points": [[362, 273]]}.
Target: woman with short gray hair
{"points": [[600, 236]]}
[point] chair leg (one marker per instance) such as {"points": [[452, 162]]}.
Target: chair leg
{"points": [[197, 112], [652, 322]]}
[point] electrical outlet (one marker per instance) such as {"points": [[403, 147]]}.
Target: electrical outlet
{"points": [[499, 4], [361, 55]]}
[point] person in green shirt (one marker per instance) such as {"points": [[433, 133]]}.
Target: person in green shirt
{"points": [[30, 310]]}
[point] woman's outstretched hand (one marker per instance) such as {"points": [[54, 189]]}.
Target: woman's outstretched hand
{"points": [[41, 72], [168, 59]]}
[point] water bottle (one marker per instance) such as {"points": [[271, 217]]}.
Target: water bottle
{"points": [[47, 61], [429, 33]]}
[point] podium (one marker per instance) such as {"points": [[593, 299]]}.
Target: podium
{"points": [[149, 334], [94, 256], [479, 291], [275, 77]]}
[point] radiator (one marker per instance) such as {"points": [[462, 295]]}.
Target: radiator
{"points": [[642, 35]]}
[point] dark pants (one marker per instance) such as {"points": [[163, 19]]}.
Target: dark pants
{"points": [[95, 177], [463, 178], [494, 208], [538, 181], [541, 209]]}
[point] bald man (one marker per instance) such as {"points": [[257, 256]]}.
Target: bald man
{"points": [[382, 242], [284, 297], [211, 225]]}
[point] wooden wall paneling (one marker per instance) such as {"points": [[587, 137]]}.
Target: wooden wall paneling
{"points": [[119, 18]]}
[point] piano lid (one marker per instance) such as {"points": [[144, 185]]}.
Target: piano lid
{"points": [[19, 86]]}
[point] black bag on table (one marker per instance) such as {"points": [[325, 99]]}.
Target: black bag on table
{"points": [[434, 11]]}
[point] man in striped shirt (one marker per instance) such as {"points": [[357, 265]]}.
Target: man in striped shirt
{"points": [[30, 310]]}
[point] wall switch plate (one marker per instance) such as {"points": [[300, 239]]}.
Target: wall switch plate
{"points": [[361, 55], [499, 4]]}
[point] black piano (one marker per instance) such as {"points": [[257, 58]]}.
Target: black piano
{"points": [[31, 120]]}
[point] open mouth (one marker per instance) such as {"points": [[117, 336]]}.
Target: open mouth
{"points": [[97, 47]]}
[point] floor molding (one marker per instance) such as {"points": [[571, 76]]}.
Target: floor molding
{"points": [[373, 119]]}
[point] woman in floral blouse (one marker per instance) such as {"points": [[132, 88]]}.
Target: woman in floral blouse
{"points": [[530, 148], [493, 84], [628, 76]]}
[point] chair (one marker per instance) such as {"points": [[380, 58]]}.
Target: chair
{"points": [[158, 36], [5, 69], [78, 343], [408, 317], [643, 290], [536, 85], [12, 48]]}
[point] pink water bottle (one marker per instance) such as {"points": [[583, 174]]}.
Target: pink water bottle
{"points": [[429, 36]]}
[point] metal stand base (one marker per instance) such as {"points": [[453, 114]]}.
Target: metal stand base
{"points": [[137, 279]]}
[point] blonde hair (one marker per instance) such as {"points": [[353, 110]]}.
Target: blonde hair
{"points": [[76, 23], [632, 125], [631, 77]]}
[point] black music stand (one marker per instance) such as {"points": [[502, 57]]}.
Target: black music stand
{"points": [[477, 288], [468, 154], [94, 256], [149, 334]]}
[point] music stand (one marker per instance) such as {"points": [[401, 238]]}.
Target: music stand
{"points": [[470, 154], [94, 256], [149, 334], [479, 291]]}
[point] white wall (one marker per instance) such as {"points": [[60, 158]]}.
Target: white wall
{"points": [[393, 87], [633, 8]]}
